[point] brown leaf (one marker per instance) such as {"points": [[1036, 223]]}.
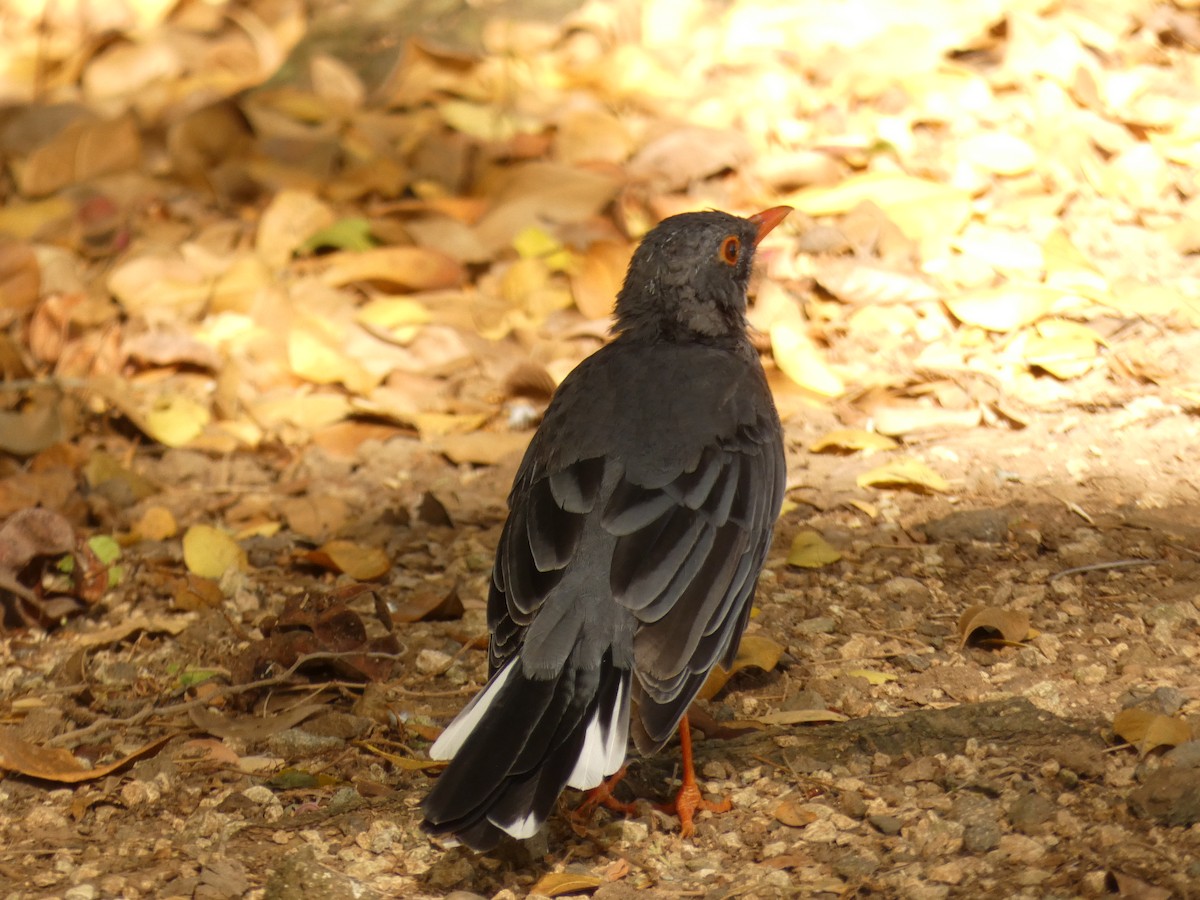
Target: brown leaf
{"points": [[407, 268], [483, 448], [20, 278], [43, 422], [81, 151], [359, 562], [55, 764], [250, 729], [598, 278], [755, 651], [793, 815], [1149, 730], [555, 884], [982, 623]]}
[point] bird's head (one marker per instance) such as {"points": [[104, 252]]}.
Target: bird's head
{"points": [[687, 279]]}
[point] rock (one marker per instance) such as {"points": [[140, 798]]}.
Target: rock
{"points": [[888, 825], [1030, 813], [1169, 796], [987, 525]]}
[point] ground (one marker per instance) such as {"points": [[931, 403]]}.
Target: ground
{"points": [[285, 289]]}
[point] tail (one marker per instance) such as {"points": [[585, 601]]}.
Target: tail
{"points": [[519, 742]]}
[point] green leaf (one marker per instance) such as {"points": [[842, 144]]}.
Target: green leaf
{"points": [[345, 234]]}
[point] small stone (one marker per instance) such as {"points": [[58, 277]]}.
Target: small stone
{"points": [[951, 872], [818, 625], [888, 825], [260, 795], [1020, 848], [981, 837], [633, 831], [1090, 675], [297, 743], [80, 892], [855, 865], [904, 590], [821, 832], [1029, 813], [854, 805], [433, 662]]}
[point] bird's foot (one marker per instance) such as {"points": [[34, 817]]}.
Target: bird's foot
{"points": [[603, 796], [688, 802]]}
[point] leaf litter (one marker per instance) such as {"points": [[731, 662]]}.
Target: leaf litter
{"points": [[285, 291]]}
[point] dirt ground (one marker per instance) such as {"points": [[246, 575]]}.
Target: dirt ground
{"points": [[283, 286], [988, 771]]}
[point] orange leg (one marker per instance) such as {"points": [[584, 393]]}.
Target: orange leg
{"points": [[688, 800], [602, 796]]}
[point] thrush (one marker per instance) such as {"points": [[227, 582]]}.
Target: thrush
{"points": [[639, 520]]}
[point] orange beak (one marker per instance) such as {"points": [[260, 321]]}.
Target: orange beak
{"points": [[768, 219]]}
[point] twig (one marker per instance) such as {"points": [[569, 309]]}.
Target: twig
{"points": [[227, 691], [1100, 567]]}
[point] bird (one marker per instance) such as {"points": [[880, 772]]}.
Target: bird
{"points": [[638, 522]]}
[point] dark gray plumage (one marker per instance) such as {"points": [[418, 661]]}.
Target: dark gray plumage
{"points": [[639, 520]]}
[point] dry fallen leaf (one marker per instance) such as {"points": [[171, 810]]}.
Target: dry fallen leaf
{"points": [[210, 552], [852, 439], [983, 623], [904, 473], [359, 562], [920, 207], [755, 651], [798, 358], [56, 764], [1004, 308], [556, 884], [801, 717], [793, 814], [1149, 730], [811, 551]]}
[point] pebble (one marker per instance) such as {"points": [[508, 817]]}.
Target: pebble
{"points": [[904, 590], [433, 662], [296, 743], [888, 825], [1030, 812]]}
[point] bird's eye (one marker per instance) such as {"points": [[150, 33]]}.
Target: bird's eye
{"points": [[730, 247]]}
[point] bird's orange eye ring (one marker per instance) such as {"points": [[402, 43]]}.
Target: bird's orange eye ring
{"points": [[730, 247]]}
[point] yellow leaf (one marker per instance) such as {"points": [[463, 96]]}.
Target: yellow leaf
{"points": [[811, 551], [1011, 625], [397, 318], [315, 355], [555, 884], [1149, 730], [800, 717], [359, 562], [1063, 348], [435, 425], [156, 524], [1003, 154], [904, 473], [754, 650], [411, 268], [1004, 308], [799, 359], [290, 219], [872, 677], [852, 439], [867, 509], [920, 208], [210, 552], [175, 420]]}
